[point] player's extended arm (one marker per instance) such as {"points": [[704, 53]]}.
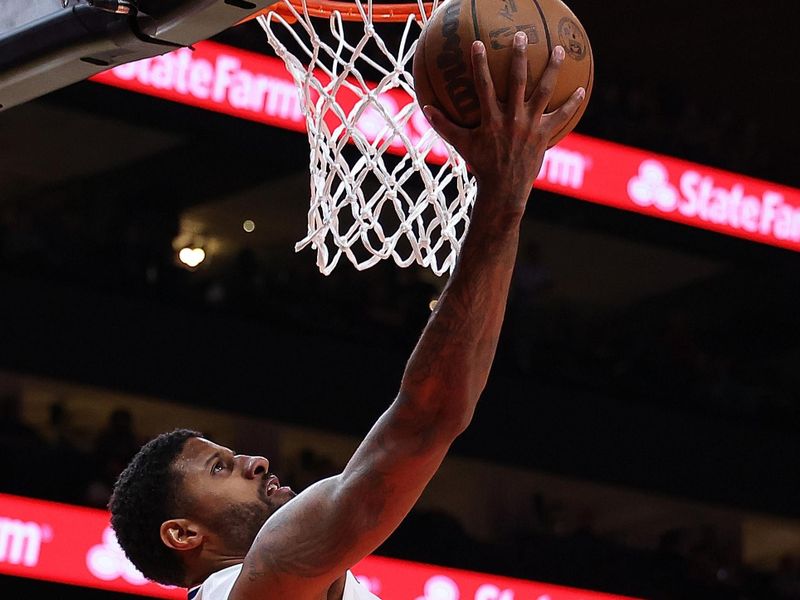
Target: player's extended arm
{"points": [[311, 541]]}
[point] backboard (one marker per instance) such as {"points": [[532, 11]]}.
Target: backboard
{"points": [[49, 44]]}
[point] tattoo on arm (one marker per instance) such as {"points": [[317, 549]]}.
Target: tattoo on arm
{"points": [[452, 359]]}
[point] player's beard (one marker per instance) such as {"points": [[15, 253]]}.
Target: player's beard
{"points": [[238, 524]]}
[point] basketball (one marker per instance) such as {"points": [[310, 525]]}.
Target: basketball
{"points": [[442, 67]]}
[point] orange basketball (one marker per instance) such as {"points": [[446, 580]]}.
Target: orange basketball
{"points": [[442, 68]]}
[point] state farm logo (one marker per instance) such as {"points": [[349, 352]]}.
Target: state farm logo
{"points": [[223, 80], [564, 168], [21, 541], [107, 561], [651, 187], [440, 587], [700, 196]]}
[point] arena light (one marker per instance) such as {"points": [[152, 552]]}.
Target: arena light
{"points": [[249, 226], [191, 257]]}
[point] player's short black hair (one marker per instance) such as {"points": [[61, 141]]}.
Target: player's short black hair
{"points": [[146, 494]]}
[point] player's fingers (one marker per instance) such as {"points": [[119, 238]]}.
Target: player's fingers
{"points": [[484, 85], [547, 84], [557, 119], [449, 131], [518, 72]]}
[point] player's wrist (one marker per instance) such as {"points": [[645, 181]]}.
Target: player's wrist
{"points": [[507, 194], [497, 202]]}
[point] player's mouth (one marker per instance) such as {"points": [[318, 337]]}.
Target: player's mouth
{"points": [[273, 485]]}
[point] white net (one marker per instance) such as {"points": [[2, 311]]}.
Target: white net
{"points": [[373, 195]]}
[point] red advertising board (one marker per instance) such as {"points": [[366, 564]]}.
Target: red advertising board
{"points": [[75, 545], [257, 87]]}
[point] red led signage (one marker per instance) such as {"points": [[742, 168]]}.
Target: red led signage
{"points": [[257, 87], [75, 545]]}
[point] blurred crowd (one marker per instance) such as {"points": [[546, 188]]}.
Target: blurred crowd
{"points": [[61, 462], [548, 542], [657, 351], [677, 348], [76, 234], [701, 348], [662, 116]]}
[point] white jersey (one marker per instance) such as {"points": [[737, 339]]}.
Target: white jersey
{"points": [[219, 585]]}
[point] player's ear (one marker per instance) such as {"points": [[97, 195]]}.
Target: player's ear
{"points": [[180, 534]]}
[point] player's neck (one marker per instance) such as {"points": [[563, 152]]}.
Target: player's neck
{"points": [[200, 573]]}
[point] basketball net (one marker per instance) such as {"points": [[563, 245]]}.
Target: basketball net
{"points": [[373, 195]]}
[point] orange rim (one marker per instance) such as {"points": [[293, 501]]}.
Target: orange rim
{"points": [[381, 13]]}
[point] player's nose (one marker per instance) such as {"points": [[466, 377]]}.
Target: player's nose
{"points": [[255, 466]]}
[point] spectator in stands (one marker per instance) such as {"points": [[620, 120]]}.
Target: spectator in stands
{"points": [[113, 448], [532, 281], [65, 485], [21, 447]]}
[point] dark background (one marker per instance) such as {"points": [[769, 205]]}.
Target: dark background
{"points": [[688, 390]]}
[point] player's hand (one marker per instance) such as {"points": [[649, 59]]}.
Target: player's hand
{"points": [[505, 152]]}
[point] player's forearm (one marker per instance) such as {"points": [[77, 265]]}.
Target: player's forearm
{"points": [[450, 365]]}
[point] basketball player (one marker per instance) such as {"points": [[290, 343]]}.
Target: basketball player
{"points": [[191, 513]]}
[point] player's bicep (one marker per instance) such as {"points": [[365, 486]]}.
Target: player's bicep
{"points": [[329, 527]]}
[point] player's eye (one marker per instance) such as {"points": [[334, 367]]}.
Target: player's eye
{"points": [[218, 466]]}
